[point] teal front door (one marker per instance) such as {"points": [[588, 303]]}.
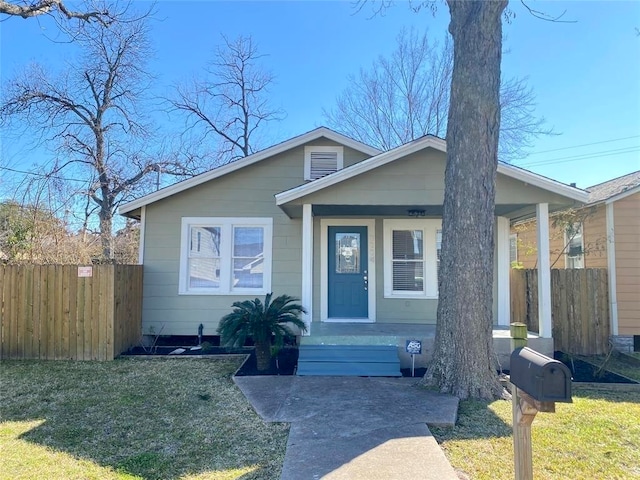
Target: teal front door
{"points": [[348, 295]]}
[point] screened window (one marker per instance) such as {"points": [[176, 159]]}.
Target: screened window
{"points": [[412, 257], [225, 255]]}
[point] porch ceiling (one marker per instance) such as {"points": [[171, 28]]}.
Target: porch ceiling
{"points": [[295, 211]]}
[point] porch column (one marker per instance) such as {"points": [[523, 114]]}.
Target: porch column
{"points": [[544, 271], [611, 265], [503, 270], [307, 265]]}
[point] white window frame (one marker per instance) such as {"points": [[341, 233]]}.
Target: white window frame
{"points": [[567, 242], [429, 229], [226, 225], [322, 149], [513, 237]]}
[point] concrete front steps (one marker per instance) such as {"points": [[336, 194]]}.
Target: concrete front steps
{"points": [[348, 360]]}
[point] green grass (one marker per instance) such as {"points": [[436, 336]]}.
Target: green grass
{"points": [[132, 419], [596, 437], [184, 419]]}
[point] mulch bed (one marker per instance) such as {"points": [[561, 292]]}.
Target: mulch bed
{"points": [[287, 362], [284, 364], [166, 350], [582, 371]]}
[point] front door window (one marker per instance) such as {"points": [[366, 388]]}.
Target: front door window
{"points": [[347, 253]]}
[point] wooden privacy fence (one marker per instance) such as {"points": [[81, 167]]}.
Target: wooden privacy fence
{"points": [[57, 312], [579, 307]]}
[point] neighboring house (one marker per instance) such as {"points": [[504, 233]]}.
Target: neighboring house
{"points": [[351, 231], [604, 233]]}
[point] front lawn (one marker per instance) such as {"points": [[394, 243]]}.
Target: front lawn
{"points": [[596, 437], [132, 419], [184, 419]]}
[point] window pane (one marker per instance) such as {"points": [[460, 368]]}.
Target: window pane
{"points": [[248, 241], [247, 272], [513, 248], [575, 257], [204, 242], [248, 257], [407, 245], [347, 252], [204, 272], [408, 276]]}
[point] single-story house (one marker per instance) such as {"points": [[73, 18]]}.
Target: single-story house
{"points": [[351, 231], [604, 233]]}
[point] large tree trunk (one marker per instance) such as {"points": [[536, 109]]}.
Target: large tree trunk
{"points": [[106, 234], [463, 363]]}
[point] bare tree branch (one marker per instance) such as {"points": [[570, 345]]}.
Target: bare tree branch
{"points": [[229, 101], [27, 9], [406, 95], [545, 16], [91, 115]]}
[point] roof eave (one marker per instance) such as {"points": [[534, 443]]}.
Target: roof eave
{"points": [[545, 183], [620, 195]]}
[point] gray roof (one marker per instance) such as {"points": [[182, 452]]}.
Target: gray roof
{"points": [[611, 188]]}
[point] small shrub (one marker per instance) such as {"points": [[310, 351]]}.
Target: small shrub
{"points": [[266, 323]]}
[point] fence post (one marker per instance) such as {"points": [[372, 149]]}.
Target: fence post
{"points": [[522, 451]]}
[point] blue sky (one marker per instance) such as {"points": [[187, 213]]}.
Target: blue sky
{"points": [[586, 75]]}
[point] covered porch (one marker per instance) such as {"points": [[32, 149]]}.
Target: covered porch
{"points": [[389, 210]]}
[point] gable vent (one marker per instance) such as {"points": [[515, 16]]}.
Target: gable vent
{"points": [[322, 161]]}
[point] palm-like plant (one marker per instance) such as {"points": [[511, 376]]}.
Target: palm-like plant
{"points": [[265, 323]]}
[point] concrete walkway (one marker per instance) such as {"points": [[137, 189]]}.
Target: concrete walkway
{"points": [[355, 427]]}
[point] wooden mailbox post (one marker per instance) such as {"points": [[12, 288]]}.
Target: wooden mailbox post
{"points": [[537, 382]]}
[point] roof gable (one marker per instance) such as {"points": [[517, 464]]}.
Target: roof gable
{"points": [[245, 162], [436, 143]]}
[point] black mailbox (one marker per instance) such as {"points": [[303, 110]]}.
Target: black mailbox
{"points": [[543, 378]]}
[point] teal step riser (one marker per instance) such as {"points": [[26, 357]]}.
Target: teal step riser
{"points": [[348, 357], [350, 370]]}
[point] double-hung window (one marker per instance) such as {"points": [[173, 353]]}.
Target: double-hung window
{"points": [[574, 246], [411, 258], [225, 256]]}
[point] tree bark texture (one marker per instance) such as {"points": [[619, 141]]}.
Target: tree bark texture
{"points": [[463, 362]]}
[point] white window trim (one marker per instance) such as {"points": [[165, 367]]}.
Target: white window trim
{"points": [[227, 224], [307, 157], [513, 236], [429, 228], [568, 248]]}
